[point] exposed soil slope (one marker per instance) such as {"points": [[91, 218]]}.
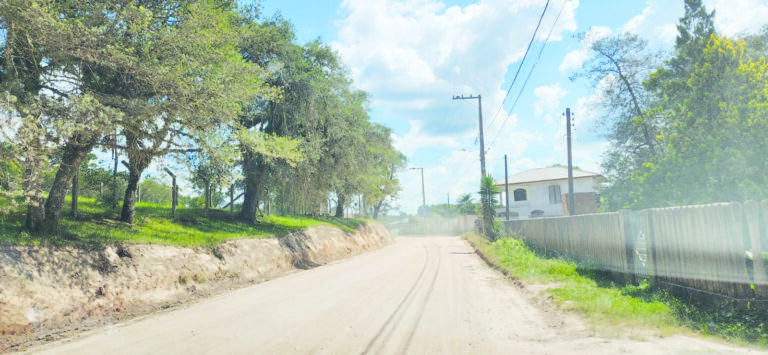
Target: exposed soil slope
{"points": [[46, 292], [421, 295]]}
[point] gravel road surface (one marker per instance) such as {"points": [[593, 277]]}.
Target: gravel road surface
{"points": [[421, 295]]}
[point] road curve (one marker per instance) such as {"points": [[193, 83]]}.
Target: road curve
{"points": [[427, 295]]}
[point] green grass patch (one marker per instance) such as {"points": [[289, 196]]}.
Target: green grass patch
{"points": [[604, 307], [607, 305], [98, 225]]}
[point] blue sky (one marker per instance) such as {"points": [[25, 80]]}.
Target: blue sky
{"points": [[413, 55]]}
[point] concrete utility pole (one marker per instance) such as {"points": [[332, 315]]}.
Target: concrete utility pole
{"points": [[571, 209], [480, 118], [506, 186]]}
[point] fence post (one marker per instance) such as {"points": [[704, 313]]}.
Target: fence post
{"points": [[752, 214], [174, 192], [232, 201], [636, 231], [628, 229]]}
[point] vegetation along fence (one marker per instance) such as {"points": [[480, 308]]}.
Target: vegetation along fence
{"points": [[717, 249]]}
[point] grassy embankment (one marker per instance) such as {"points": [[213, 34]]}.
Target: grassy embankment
{"points": [[608, 307], [98, 225]]}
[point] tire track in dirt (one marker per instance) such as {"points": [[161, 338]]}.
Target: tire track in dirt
{"points": [[399, 307], [423, 304]]}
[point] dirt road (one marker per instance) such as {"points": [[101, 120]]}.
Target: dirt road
{"points": [[420, 296]]}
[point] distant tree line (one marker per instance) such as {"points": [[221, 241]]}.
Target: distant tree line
{"points": [[684, 128], [222, 89]]}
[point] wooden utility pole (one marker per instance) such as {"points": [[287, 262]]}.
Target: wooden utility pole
{"points": [[174, 193], [571, 208]]}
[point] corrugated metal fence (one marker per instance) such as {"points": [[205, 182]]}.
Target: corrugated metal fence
{"points": [[717, 249]]}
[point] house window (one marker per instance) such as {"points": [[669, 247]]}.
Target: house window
{"points": [[521, 195], [554, 195]]}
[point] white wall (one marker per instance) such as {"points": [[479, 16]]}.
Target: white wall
{"points": [[538, 196]]}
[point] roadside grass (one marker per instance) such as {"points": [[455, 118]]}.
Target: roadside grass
{"points": [[99, 225], [603, 307], [611, 307]]}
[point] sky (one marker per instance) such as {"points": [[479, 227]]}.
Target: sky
{"points": [[413, 56]]}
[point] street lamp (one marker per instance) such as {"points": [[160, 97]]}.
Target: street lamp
{"points": [[423, 200]]}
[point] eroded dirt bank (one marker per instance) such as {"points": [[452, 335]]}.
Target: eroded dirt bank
{"points": [[48, 292], [422, 295]]}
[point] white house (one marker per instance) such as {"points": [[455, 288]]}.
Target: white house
{"points": [[544, 192]]}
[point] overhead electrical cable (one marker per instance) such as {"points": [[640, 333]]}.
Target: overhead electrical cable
{"points": [[538, 59], [514, 79]]}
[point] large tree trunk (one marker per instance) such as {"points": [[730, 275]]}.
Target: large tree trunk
{"points": [[138, 160], [207, 193], [340, 206], [75, 193], [376, 209], [252, 176], [129, 201], [36, 213], [74, 155], [36, 205]]}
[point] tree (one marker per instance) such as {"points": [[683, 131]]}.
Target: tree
{"points": [[344, 155], [488, 192], [618, 67], [443, 210], [155, 191], [757, 44], [381, 164], [465, 204], [270, 44], [715, 142], [695, 28], [196, 91], [47, 50], [154, 71]]}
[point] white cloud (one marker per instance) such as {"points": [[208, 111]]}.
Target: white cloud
{"points": [[417, 139], [421, 50], [548, 98], [584, 120], [574, 59], [656, 22], [734, 17], [414, 55]]}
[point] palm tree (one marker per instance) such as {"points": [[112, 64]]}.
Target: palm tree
{"points": [[488, 192]]}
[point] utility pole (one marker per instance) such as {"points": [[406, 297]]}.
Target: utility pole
{"points": [[480, 118], [571, 209], [506, 185]]}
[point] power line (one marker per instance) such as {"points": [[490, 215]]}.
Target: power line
{"points": [[538, 59], [535, 31]]}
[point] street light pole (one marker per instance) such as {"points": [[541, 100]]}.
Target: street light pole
{"points": [[423, 200]]}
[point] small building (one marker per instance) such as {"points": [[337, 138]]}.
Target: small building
{"points": [[544, 193]]}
